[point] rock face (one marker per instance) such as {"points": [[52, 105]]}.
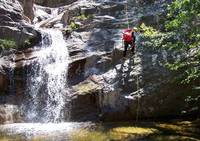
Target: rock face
{"points": [[53, 3], [12, 25], [9, 114], [11, 10], [87, 92], [140, 85], [146, 2], [28, 8], [130, 90], [3, 82]]}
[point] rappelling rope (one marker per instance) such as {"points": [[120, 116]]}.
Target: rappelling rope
{"points": [[137, 79], [138, 92], [126, 8], [138, 99]]}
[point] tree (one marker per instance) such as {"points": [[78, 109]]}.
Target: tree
{"points": [[184, 21]]}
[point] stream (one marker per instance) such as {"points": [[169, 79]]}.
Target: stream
{"points": [[176, 130]]}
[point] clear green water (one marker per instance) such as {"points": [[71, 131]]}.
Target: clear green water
{"points": [[124, 131]]}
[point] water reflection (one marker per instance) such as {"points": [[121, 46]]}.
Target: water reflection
{"points": [[115, 131]]}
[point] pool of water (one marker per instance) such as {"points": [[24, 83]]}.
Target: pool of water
{"points": [[41, 131], [116, 131]]}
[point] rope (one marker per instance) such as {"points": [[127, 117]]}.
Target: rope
{"points": [[126, 7], [138, 93], [138, 100]]}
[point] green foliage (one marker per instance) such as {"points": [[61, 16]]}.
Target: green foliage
{"points": [[184, 16], [148, 31], [27, 42], [155, 38], [189, 68], [182, 33], [7, 44], [84, 17], [74, 26]]}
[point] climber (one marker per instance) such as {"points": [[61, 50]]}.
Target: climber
{"points": [[129, 39]]}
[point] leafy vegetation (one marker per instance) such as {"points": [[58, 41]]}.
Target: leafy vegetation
{"points": [[7, 44], [84, 17], [182, 33], [74, 26], [184, 18], [154, 38], [27, 42]]}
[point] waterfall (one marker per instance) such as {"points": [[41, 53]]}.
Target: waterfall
{"points": [[47, 81]]}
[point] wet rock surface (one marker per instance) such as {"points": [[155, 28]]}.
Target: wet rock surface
{"points": [[15, 26], [9, 114], [140, 85]]}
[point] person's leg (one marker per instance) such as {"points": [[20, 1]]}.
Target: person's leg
{"points": [[125, 48], [133, 47]]}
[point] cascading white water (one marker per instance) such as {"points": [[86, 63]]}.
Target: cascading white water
{"points": [[47, 83]]}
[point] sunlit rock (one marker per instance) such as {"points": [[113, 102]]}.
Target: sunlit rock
{"points": [[9, 114]]}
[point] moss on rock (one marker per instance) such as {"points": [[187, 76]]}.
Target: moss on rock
{"points": [[87, 87]]}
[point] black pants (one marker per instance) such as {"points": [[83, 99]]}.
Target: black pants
{"points": [[126, 44]]}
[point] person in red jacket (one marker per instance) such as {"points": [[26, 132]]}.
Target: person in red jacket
{"points": [[129, 39]]}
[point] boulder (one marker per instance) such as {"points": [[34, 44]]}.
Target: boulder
{"points": [[53, 3], [110, 8], [20, 34], [84, 103], [87, 87], [28, 8], [143, 2], [69, 14], [3, 83], [42, 13], [13, 27], [10, 10], [9, 114]]}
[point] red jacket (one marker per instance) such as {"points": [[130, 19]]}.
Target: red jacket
{"points": [[127, 35]]}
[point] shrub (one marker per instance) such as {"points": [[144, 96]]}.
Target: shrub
{"points": [[7, 44], [84, 17], [154, 38], [183, 19], [74, 26]]}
